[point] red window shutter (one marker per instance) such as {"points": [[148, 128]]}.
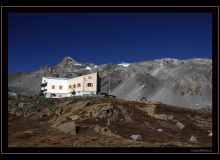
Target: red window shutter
{"points": [[60, 87], [91, 84], [44, 80], [90, 77], [86, 84], [60, 96], [53, 87]]}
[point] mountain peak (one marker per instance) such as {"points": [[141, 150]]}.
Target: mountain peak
{"points": [[68, 61], [67, 58]]}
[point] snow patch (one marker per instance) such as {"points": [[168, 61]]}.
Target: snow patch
{"points": [[88, 68], [76, 63], [124, 64]]}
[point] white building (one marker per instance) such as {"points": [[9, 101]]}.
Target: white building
{"points": [[65, 87]]}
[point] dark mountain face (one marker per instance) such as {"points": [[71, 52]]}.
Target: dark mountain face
{"points": [[184, 83]]}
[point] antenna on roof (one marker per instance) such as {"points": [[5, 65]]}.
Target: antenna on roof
{"points": [[109, 83], [84, 82]]}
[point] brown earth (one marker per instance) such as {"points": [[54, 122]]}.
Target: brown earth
{"points": [[110, 122]]}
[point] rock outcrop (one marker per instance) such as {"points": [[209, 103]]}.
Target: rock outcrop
{"points": [[97, 121]]}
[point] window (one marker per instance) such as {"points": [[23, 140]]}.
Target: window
{"points": [[89, 84], [90, 77], [79, 85], [60, 87], [53, 86], [74, 86]]}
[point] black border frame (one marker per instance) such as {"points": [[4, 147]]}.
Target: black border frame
{"points": [[104, 9]]}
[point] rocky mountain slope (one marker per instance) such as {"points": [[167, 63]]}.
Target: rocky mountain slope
{"points": [[105, 122], [184, 83]]}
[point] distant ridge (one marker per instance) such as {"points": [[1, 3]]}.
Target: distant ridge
{"points": [[183, 83]]}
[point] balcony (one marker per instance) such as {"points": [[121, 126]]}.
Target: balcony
{"points": [[43, 84], [43, 90]]}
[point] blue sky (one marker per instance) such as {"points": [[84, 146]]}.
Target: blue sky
{"points": [[39, 39]]}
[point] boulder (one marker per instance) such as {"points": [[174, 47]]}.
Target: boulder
{"points": [[54, 125], [180, 125], [97, 129], [42, 67], [88, 114], [21, 105], [104, 131], [75, 117], [193, 139], [136, 137], [70, 127]]}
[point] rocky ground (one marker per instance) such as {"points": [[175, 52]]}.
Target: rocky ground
{"points": [[105, 122]]}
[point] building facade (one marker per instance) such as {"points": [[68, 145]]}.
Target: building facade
{"points": [[65, 87]]}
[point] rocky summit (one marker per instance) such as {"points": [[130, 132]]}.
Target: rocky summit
{"points": [[184, 83]]}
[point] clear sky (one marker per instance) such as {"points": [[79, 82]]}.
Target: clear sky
{"points": [[39, 39]]}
